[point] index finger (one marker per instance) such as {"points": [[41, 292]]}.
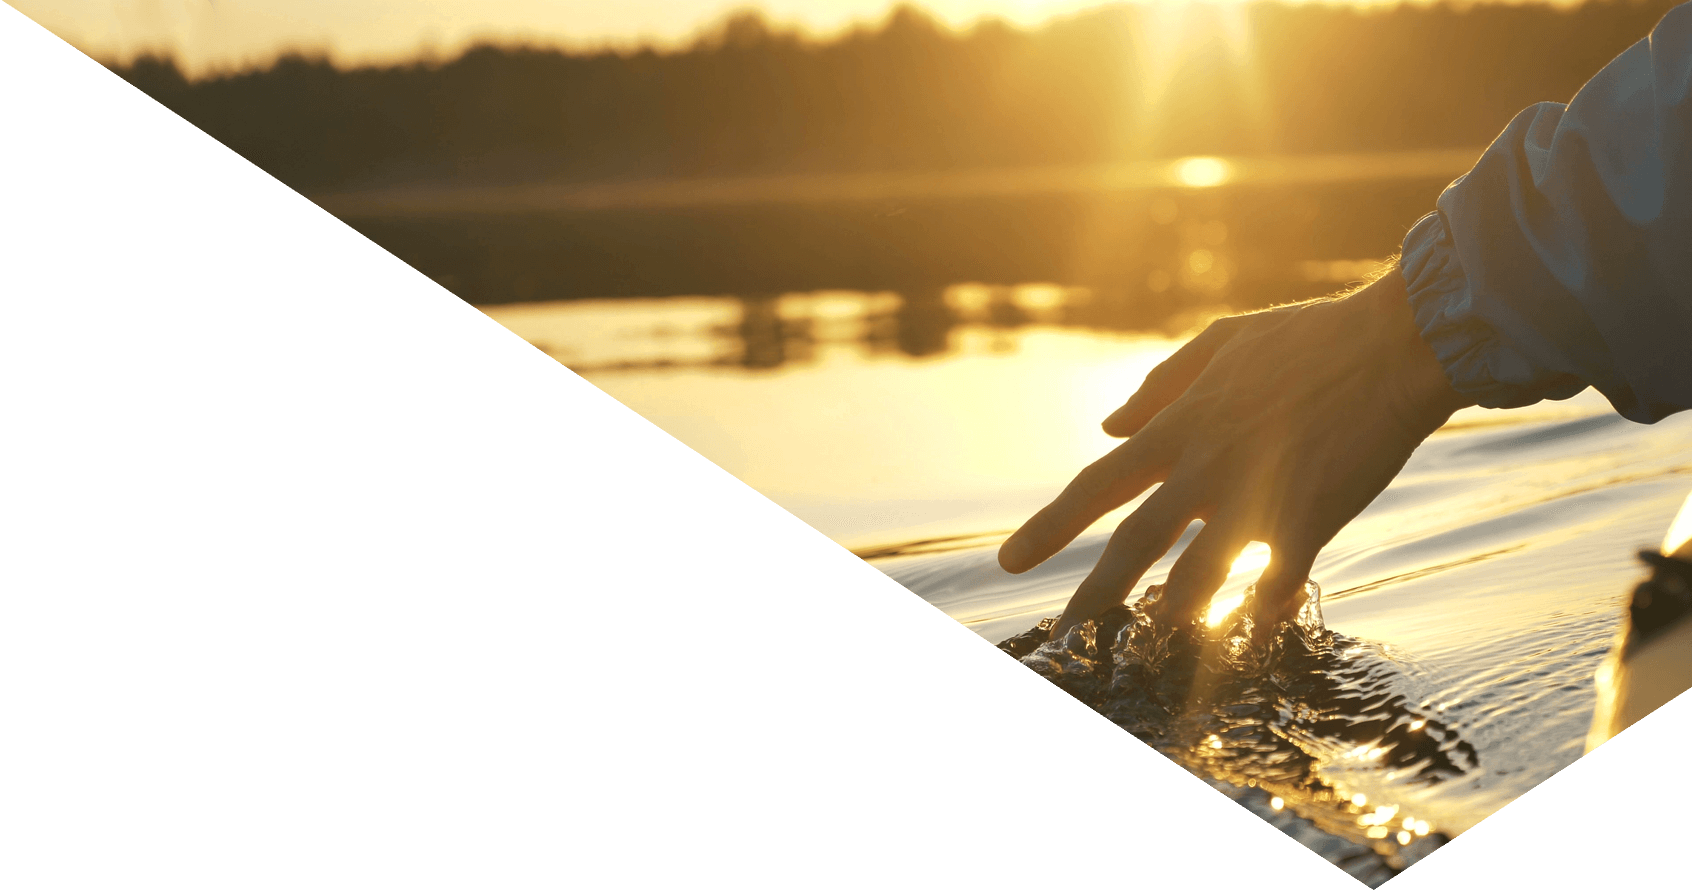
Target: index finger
{"points": [[1145, 535], [1111, 481]]}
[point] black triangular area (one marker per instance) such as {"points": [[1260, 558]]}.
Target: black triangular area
{"points": [[555, 569]]}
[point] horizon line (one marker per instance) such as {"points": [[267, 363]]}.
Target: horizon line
{"points": [[428, 52]]}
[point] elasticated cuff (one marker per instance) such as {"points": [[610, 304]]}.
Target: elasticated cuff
{"points": [[1477, 361]]}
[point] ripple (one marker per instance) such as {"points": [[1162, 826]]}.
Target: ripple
{"points": [[1279, 716]]}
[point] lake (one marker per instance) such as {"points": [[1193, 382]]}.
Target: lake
{"points": [[1469, 603]]}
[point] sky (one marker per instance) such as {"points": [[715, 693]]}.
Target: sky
{"points": [[211, 35]]}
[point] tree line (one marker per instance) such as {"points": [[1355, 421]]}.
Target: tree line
{"points": [[908, 94]]}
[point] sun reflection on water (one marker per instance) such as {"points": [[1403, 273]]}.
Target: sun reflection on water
{"points": [[1221, 608], [1255, 557], [1201, 172]]}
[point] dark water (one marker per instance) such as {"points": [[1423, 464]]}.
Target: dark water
{"points": [[1257, 712], [1140, 242]]}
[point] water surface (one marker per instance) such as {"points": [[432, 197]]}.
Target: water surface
{"points": [[1473, 599]]}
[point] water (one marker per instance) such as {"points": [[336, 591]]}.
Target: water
{"points": [[1465, 610]]}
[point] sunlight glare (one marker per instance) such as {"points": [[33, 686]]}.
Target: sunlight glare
{"points": [[1255, 557], [1201, 171], [1221, 608], [1680, 532]]}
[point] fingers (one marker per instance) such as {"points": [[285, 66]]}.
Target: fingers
{"points": [[1116, 478], [1142, 538], [1126, 472], [1281, 586], [1205, 564], [1169, 380]]}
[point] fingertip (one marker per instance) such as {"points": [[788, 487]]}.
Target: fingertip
{"points": [[1118, 424], [1133, 416], [1011, 556]]}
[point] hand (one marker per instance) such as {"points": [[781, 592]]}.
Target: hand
{"points": [[1278, 426]]}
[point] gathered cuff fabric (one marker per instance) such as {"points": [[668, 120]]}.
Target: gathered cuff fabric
{"points": [[1479, 361], [1560, 261]]}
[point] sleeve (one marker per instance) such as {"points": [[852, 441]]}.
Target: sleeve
{"points": [[1564, 258]]}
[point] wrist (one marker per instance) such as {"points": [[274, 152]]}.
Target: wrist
{"points": [[1419, 382]]}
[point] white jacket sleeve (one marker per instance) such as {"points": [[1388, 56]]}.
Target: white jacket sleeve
{"points": [[1564, 258]]}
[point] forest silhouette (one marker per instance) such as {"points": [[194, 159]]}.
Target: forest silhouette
{"points": [[909, 97], [913, 95]]}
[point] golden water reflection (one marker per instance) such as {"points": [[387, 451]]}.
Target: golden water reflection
{"points": [[879, 422], [1201, 172], [770, 331]]}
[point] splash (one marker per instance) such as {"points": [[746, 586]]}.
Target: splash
{"points": [[1269, 713], [1144, 654]]}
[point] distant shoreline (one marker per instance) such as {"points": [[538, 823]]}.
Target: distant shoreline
{"points": [[892, 186]]}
